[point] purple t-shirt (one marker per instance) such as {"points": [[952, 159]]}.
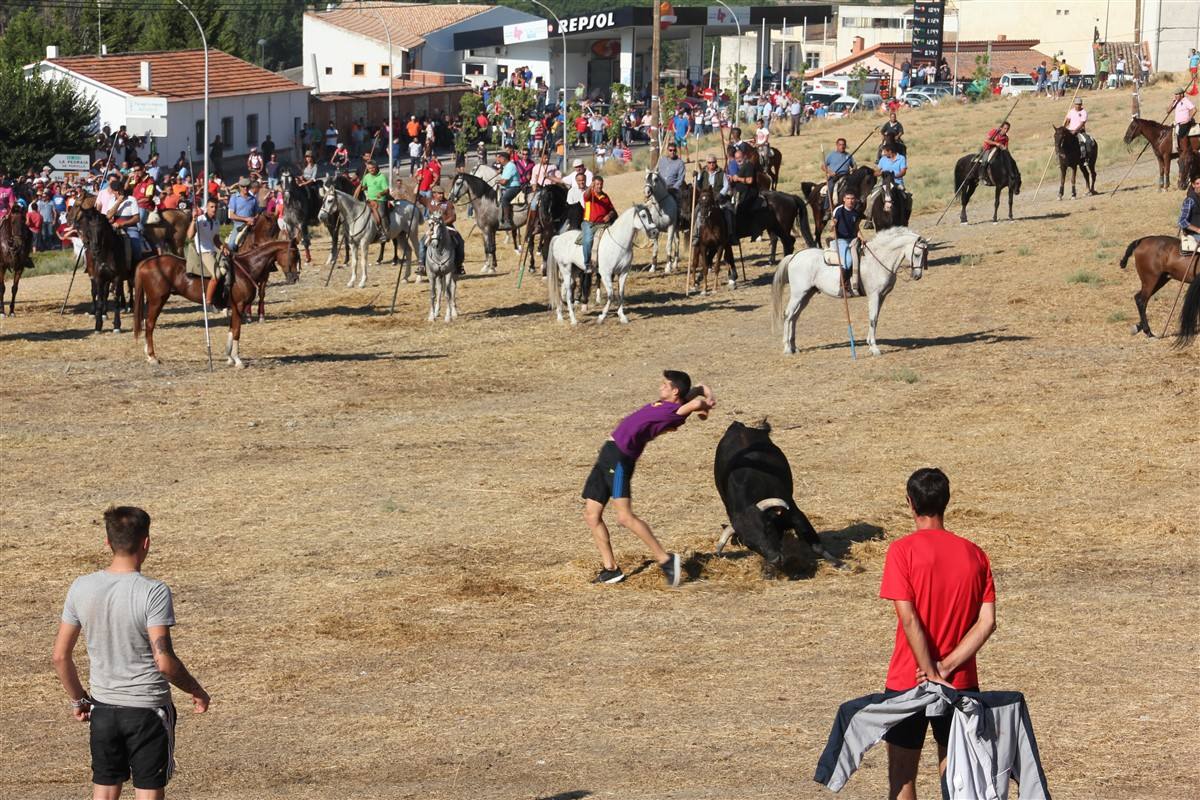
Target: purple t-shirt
{"points": [[639, 428]]}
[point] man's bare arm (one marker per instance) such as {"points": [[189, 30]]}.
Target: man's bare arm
{"points": [[973, 641], [914, 632], [173, 669], [64, 665]]}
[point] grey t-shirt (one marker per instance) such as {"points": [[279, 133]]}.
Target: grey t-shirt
{"points": [[672, 171], [115, 609]]}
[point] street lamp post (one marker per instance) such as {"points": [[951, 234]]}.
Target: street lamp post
{"points": [[204, 178], [262, 43], [391, 80], [563, 33], [737, 81]]}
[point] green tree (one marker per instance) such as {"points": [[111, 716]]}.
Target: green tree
{"points": [[618, 106], [517, 103], [42, 118], [26, 36], [469, 106]]}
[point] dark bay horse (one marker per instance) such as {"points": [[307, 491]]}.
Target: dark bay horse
{"points": [[16, 244], [712, 238], [790, 213], [1189, 315], [548, 221], [769, 163], [162, 276], [1073, 156], [301, 208], [1004, 174], [1159, 137], [1157, 260], [860, 181], [890, 206], [110, 264]]}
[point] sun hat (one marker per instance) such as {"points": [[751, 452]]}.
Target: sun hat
{"points": [[577, 163], [244, 182]]}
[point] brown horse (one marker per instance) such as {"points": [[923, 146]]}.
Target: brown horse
{"points": [[167, 230], [264, 229], [769, 163], [860, 181], [16, 243], [162, 276], [1159, 138], [1157, 259], [712, 236], [109, 262]]}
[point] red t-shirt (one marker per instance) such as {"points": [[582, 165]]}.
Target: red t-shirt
{"points": [[947, 579]]}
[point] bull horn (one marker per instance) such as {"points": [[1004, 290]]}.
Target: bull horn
{"points": [[726, 534], [771, 502]]}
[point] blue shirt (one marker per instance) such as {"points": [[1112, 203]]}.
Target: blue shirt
{"points": [[839, 163], [681, 126], [1194, 61], [894, 166], [510, 175], [243, 207]]}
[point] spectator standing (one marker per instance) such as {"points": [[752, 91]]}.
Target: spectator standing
{"points": [[414, 155], [1120, 72], [1193, 64], [796, 113], [267, 148], [941, 587], [331, 140], [272, 170], [1145, 69], [1102, 72], [126, 619]]}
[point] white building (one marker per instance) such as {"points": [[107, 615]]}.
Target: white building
{"points": [[246, 103], [346, 49]]}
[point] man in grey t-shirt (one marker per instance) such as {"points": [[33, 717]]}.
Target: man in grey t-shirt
{"points": [[126, 619]]}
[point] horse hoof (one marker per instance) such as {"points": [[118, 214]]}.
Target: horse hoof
{"points": [[623, 320], [875, 351], [116, 330], [152, 360], [239, 364], [1135, 329]]}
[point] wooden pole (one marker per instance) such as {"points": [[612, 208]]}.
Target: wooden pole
{"points": [[72, 283], [977, 162], [1190, 273], [849, 325], [655, 55], [1143, 152]]}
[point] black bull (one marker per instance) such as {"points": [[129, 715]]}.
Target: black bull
{"points": [[754, 480]]}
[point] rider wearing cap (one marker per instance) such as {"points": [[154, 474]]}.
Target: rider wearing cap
{"points": [[441, 206], [1076, 121], [1183, 109], [241, 210], [340, 158], [124, 218], [509, 183]]}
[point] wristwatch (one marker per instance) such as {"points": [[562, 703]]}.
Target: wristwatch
{"points": [[81, 702]]}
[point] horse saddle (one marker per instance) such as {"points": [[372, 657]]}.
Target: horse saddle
{"points": [[1188, 244], [839, 184], [153, 218], [598, 232], [832, 257]]}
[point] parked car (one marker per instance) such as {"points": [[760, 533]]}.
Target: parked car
{"points": [[1015, 83], [844, 106], [823, 96], [922, 95]]}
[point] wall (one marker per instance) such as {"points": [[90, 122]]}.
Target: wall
{"points": [[1169, 48], [439, 54], [338, 50], [1064, 26]]}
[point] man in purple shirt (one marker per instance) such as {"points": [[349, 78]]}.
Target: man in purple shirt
{"points": [[613, 471]]}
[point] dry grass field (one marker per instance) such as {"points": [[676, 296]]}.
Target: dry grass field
{"points": [[381, 574]]}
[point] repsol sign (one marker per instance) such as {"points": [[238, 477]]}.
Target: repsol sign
{"points": [[589, 22]]}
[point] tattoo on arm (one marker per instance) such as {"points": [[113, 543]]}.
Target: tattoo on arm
{"points": [[162, 646]]}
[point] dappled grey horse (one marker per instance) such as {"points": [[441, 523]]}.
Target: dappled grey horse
{"points": [[361, 229], [487, 214]]}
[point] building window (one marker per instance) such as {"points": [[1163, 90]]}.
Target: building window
{"points": [[227, 130], [198, 143], [384, 70], [360, 70], [474, 69], [812, 60], [329, 70], [850, 22], [252, 129]]}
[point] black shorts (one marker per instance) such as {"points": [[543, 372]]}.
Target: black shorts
{"points": [[133, 742], [611, 475], [910, 732]]}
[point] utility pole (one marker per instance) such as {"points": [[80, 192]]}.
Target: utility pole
{"points": [[655, 54]]}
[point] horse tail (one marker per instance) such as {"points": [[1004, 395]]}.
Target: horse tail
{"points": [[778, 286], [139, 298], [1129, 251], [1189, 317], [802, 221], [552, 281]]}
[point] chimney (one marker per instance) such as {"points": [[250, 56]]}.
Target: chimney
{"points": [[51, 51], [103, 50], [144, 76], [857, 46]]}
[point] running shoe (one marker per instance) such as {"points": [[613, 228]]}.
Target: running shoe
{"points": [[610, 576], [672, 569]]}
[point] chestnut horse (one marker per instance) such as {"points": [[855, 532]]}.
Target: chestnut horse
{"points": [[1157, 259], [1159, 138], [166, 229], [162, 276], [16, 243]]}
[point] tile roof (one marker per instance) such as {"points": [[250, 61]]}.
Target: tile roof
{"points": [[407, 22], [1008, 55], [178, 74]]}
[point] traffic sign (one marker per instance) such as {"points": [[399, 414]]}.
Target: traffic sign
{"points": [[70, 162], [145, 106], [710, 93], [666, 15]]}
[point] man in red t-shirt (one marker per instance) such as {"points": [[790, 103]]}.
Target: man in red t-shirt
{"points": [[941, 585]]}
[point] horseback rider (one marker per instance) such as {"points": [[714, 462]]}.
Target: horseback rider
{"points": [[672, 171], [1076, 121], [309, 173], [846, 219], [579, 185], [1184, 111], [205, 233], [897, 164], [762, 140], [509, 184], [735, 140], [375, 186], [745, 189], [1189, 214], [996, 139], [713, 177], [598, 214], [542, 175], [124, 218], [242, 209], [838, 164], [340, 159], [895, 130], [442, 207]]}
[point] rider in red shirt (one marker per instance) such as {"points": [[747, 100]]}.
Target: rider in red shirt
{"points": [[996, 139]]}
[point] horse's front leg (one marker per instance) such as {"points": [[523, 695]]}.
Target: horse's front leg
{"points": [[1010, 200], [262, 300], [233, 337], [874, 301], [451, 293], [1062, 181], [12, 298], [434, 289], [996, 205], [1074, 177], [118, 303], [606, 279], [621, 298]]}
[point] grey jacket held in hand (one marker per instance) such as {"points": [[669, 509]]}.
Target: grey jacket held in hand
{"points": [[991, 740]]}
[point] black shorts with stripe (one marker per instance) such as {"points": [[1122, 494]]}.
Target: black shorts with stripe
{"points": [[610, 476], [137, 743]]}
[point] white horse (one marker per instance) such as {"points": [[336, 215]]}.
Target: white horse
{"points": [[808, 273], [361, 229], [665, 208], [612, 254], [439, 264]]}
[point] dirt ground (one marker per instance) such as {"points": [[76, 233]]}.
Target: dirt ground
{"points": [[380, 571]]}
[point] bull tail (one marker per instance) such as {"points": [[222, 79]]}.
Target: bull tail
{"points": [[1189, 319], [779, 285], [1129, 251], [139, 300], [802, 221]]}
